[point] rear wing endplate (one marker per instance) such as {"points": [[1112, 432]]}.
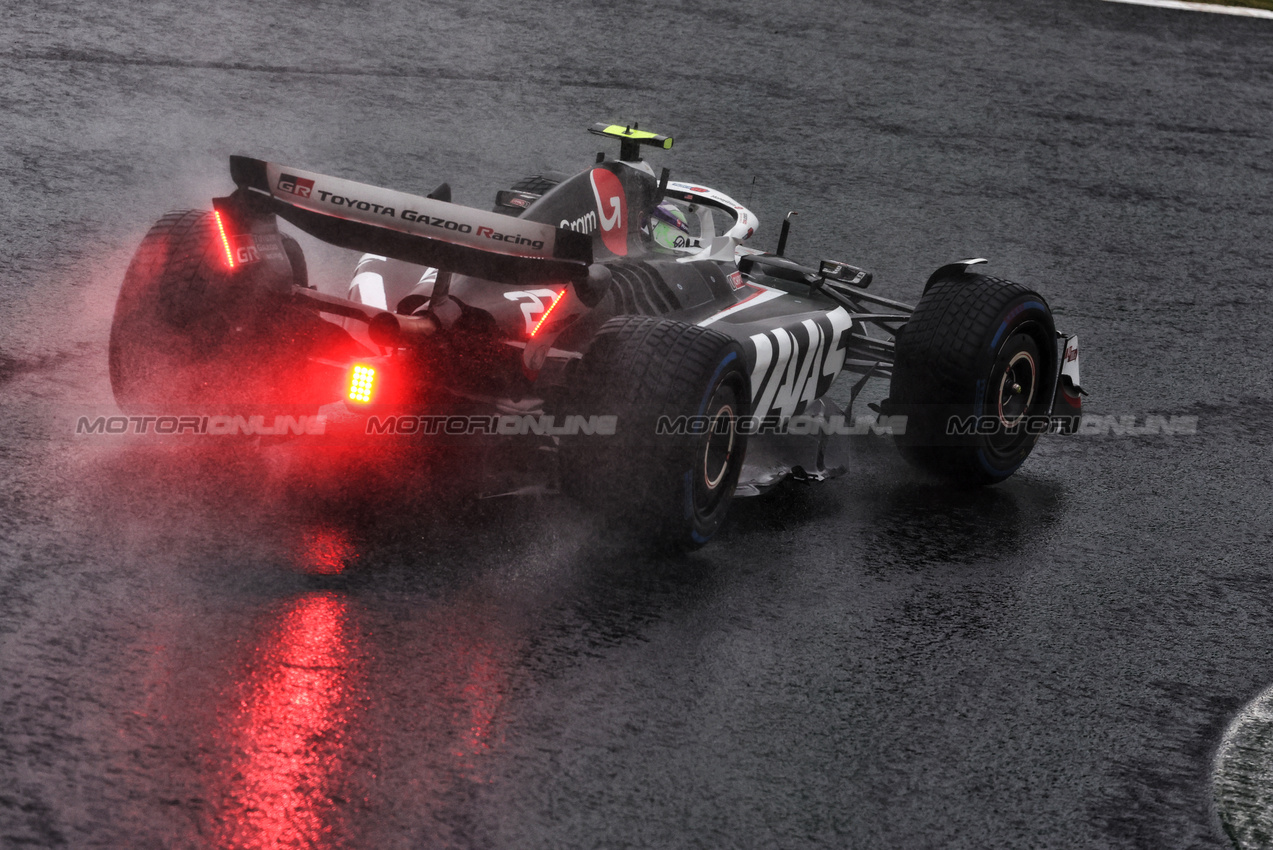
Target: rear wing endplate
{"points": [[412, 228]]}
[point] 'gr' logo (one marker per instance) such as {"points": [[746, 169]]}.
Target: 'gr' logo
{"points": [[294, 185]]}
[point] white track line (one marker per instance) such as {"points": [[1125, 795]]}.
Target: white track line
{"points": [[1240, 785], [1201, 7]]}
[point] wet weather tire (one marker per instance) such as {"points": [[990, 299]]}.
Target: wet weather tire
{"points": [[670, 489], [187, 336], [974, 373]]}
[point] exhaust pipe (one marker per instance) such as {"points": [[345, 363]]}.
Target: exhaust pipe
{"points": [[394, 331], [384, 328]]}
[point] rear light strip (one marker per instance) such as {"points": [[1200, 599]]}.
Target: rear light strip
{"points": [[547, 313], [225, 240]]}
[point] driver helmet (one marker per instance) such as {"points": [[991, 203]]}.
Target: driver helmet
{"points": [[669, 226]]}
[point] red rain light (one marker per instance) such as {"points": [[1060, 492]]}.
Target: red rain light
{"points": [[362, 381], [225, 240], [547, 313]]}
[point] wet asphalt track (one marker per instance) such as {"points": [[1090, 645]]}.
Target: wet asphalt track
{"points": [[204, 650]]}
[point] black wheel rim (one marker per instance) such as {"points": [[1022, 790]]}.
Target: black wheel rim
{"points": [[717, 453], [1017, 386], [1013, 395]]}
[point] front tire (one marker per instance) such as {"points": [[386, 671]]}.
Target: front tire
{"points": [[973, 373], [671, 489]]}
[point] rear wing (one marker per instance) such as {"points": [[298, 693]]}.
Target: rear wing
{"points": [[416, 229]]}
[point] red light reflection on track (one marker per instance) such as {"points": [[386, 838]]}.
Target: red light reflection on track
{"points": [[286, 783], [324, 551], [479, 691]]}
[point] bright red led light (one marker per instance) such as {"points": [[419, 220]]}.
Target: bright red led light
{"points": [[547, 313], [225, 240], [362, 381]]}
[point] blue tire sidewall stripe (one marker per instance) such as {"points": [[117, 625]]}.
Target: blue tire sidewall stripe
{"points": [[720, 367], [1016, 311]]}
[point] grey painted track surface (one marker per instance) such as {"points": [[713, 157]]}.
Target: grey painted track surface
{"points": [[872, 663]]}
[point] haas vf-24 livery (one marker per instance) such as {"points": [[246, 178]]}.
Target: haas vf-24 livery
{"points": [[616, 318]]}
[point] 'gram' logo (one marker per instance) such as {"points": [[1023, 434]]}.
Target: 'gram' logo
{"points": [[612, 208]]}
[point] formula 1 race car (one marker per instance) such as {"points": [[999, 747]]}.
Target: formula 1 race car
{"points": [[603, 317]]}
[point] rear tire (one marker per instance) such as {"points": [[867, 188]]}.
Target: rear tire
{"points": [[974, 372], [672, 491], [188, 336]]}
